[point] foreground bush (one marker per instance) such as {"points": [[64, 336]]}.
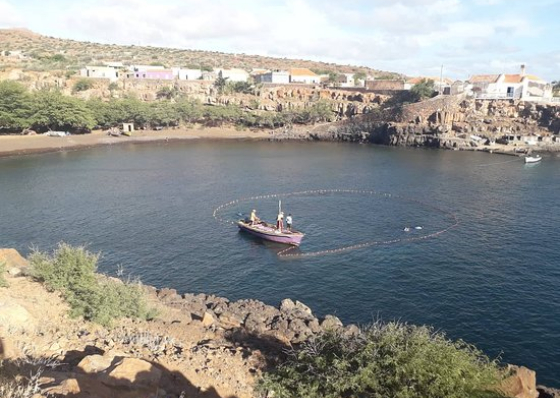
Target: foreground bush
{"points": [[20, 378], [72, 272], [391, 360]]}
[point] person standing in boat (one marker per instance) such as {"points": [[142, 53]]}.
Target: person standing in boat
{"points": [[253, 217], [289, 222], [280, 221]]}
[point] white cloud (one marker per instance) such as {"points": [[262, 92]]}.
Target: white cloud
{"points": [[9, 15], [408, 36]]}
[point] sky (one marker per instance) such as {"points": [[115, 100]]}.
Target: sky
{"points": [[412, 37]]}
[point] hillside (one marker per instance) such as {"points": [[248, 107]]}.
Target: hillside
{"points": [[34, 52]]}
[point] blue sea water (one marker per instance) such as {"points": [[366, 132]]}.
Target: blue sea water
{"points": [[493, 280]]}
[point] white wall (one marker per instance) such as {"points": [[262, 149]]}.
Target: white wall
{"points": [[305, 79], [189, 74], [99, 72]]}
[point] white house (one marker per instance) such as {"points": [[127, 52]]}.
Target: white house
{"points": [[233, 75], [100, 72], [274, 76], [514, 86], [189, 74], [346, 80], [303, 75]]}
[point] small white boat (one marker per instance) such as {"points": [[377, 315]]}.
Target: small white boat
{"points": [[533, 159]]}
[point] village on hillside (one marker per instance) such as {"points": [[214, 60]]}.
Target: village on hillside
{"points": [[520, 86]]}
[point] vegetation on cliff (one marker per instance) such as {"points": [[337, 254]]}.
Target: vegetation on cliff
{"points": [[72, 272], [49, 109], [384, 360]]}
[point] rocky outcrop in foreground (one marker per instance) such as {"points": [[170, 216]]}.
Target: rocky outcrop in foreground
{"points": [[197, 346]]}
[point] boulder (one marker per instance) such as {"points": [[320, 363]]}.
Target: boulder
{"points": [[256, 323], [95, 363], [134, 372], [12, 258], [14, 271], [208, 319], [230, 320], [13, 315], [352, 330], [303, 308], [546, 392], [522, 383], [168, 295], [301, 331], [331, 322], [287, 305]]}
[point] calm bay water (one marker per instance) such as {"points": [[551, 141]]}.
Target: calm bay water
{"points": [[492, 281]]}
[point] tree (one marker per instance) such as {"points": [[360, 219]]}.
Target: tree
{"points": [[556, 88], [164, 113], [82, 85], [51, 110], [15, 106], [422, 90], [221, 83], [333, 79], [167, 92], [57, 58], [190, 111], [241, 87], [131, 110], [104, 113], [360, 76]]}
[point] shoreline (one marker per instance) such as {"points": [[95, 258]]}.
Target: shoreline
{"points": [[22, 145]]}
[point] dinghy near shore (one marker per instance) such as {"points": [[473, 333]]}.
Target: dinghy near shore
{"points": [[533, 159]]}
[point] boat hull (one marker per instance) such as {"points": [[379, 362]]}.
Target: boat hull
{"points": [[533, 159], [268, 232]]}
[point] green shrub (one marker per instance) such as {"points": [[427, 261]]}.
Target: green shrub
{"points": [[386, 360], [72, 272], [3, 281], [82, 85]]}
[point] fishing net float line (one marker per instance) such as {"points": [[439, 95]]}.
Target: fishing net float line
{"points": [[287, 253]]}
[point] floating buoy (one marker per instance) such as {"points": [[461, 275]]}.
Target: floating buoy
{"points": [[417, 227], [406, 229]]}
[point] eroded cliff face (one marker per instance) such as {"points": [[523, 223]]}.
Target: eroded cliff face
{"points": [[448, 122]]}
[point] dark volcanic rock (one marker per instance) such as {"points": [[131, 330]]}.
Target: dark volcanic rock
{"points": [[546, 392]]}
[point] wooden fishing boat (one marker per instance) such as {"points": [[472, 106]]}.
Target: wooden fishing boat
{"points": [[268, 231], [533, 159]]}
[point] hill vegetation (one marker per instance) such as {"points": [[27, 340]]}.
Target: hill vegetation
{"points": [[35, 52]]}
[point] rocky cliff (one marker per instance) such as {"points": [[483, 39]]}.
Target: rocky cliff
{"points": [[197, 346], [448, 122]]}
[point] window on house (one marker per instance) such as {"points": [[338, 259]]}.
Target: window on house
{"points": [[510, 91]]}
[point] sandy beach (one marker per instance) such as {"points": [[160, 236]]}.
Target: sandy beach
{"points": [[11, 145]]}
